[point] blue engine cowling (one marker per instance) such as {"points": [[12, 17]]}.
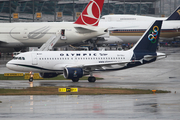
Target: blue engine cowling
{"points": [[48, 75], [70, 73]]}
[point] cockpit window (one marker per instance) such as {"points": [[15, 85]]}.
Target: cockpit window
{"points": [[15, 58], [103, 18], [19, 58]]}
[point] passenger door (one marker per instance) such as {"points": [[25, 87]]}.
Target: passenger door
{"points": [[63, 36], [34, 59]]}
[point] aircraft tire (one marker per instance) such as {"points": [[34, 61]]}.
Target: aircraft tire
{"points": [[91, 79], [75, 79], [31, 79]]}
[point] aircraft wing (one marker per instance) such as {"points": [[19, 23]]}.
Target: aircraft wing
{"points": [[3, 41], [84, 30], [99, 65]]}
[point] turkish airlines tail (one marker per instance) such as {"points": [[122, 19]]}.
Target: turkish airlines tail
{"points": [[91, 14]]}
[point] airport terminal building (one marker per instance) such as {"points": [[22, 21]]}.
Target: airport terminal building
{"points": [[69, 10]]}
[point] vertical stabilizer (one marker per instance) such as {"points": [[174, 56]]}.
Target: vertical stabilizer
{"points": [[148, 42], [91, 14], [175, 15]]}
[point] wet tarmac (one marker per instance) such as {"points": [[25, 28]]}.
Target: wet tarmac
{"points": [[161, 75]]}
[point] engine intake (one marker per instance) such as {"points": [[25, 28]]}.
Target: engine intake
{"points": [[70, 73], [48, 75]]}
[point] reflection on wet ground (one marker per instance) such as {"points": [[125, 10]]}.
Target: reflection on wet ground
{"points": [[159, 106], [161, 75]]}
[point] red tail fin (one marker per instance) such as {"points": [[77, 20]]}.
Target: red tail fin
{"points": [[91, 14]]}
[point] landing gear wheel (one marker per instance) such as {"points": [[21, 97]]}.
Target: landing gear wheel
{"points": [[75, 79], [91, 79], [31, 79]]}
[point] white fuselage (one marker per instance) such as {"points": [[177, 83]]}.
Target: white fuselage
{"points": [[129, 28], [122, 29], [56, 61], [35, 34]]}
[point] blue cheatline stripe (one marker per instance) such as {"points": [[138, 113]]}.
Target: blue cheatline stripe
{"points": [[35, 67]]}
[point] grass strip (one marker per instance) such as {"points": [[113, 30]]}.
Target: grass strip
{"points": [[81, 91], [59, 77]]}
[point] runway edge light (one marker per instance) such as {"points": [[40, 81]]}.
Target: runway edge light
{"points": [[153, 91]]}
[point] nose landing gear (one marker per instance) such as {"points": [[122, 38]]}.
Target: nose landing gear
{"points": [[31, 77]]}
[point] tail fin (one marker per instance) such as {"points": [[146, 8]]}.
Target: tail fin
{"points": [[175, 15], [148, 42], [91, 14]]}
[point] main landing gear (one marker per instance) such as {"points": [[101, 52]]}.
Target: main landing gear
{"points": [[91, 79]]}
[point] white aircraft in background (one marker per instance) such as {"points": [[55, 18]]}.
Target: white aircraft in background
{"points": [[18, 35], [129, 28], [74, 64]]}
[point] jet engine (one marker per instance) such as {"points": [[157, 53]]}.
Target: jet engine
{"points": [[48, 75], [70, 73]]}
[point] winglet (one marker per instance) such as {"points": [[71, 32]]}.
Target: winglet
{"points": [[148, 42], [91, 14], [175, 15]]}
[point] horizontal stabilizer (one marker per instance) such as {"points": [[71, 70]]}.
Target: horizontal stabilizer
{"points": [[158, 56], [149, 57], [84, 30]]}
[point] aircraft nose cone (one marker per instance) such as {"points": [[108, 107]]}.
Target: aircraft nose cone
{"points": [[9, 65]]}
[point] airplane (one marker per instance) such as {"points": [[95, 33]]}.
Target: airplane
{"points": [[75, 64], [129, 28], [18, 35]]}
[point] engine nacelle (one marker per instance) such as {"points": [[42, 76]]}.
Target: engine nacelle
{"points": [[70, 73], [48, 75]]}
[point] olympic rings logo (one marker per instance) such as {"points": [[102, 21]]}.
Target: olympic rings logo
{"points": [[153, 34]]}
